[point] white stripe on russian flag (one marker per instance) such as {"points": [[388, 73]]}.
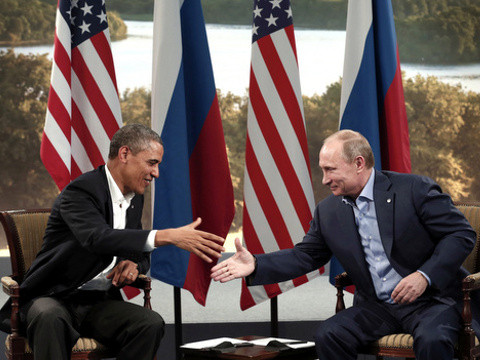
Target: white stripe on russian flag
{"points": [[355, 45]]}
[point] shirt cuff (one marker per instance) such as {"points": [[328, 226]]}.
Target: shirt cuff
{"points": [[426, 277], [150, 244]]}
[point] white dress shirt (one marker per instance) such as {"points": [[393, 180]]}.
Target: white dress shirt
{"points": [[120, 204]]}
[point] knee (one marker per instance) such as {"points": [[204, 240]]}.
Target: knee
{"points": [[431, 342], [153, 323], [326, 333], [47, 315]]}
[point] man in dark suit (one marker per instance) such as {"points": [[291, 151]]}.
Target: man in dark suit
{"points": [[93, 245], [400, 239]]}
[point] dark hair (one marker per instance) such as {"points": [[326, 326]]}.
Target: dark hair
{"points": [[136, 136], [354, 144]]}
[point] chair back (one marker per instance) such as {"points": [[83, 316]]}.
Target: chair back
{"points": [[472, 213], [24, 230]]}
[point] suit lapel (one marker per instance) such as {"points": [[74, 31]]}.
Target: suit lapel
{"points": [[384, 207], [352, 245]]}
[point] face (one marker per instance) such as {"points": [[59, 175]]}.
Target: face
{"points": [[140, 169], [343, 178]]}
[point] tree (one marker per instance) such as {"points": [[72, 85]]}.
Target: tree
{"points": [[24, 83]]}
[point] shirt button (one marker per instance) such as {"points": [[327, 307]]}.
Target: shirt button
{"points": [[377, 258], [369, 238], [384, 279]]}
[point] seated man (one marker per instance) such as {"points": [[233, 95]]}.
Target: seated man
{"points": [[400, 239], [93, 245]]}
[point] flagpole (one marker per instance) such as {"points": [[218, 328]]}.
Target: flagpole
{"points": [[178, 321], [274, 317]]}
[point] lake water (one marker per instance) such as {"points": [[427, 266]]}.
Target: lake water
{"points": [[320, 57]]}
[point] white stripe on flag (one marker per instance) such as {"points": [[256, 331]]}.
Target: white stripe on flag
{"points": [[101, 76], [274, 179], [63, 33], [58, 140], [354, 45], [289, 62], [79, 154], [92, 121], [281, 119], [166, 66]]}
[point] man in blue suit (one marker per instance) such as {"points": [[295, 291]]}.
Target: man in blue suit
{"points": [[401, 240]]}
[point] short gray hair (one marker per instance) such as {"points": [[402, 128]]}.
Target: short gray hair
{"points": [[136, 136], [354, 144]]}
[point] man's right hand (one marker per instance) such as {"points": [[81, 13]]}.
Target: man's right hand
{"points": [[239, 265], [205, 245]]}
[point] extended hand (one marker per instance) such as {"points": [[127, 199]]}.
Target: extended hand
{"points": [[124, 273], [409, 288], [239, 265], [203, 244]]}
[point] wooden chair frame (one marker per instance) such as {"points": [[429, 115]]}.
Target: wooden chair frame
{"points": [[467, 348], [16, 344]]}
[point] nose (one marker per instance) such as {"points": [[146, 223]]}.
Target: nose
{"points": [[155, 172], [325, 180]]}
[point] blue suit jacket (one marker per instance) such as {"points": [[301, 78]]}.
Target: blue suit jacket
{"points": [[419, 226]]}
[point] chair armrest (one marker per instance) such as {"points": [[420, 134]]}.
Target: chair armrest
{"points": [[144, 282], [9, 285], [471, 282], [341, 281]]}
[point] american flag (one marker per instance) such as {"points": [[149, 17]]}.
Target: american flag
{"points": [[278, 194], [83, 106], [83, 110]]}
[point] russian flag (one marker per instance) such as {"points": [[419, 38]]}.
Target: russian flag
{"points": [[372, 101], [194, 176]]}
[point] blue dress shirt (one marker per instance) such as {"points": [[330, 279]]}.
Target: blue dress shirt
{"points": [[384, 276]]}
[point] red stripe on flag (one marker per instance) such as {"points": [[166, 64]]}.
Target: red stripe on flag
{"points": [[267, 201], [59, 113], [53, 163], [291, 38], [279, 154], [101, 44], [395, 143], [285, 90], [62, 60], [83, 133], [94, 94]]}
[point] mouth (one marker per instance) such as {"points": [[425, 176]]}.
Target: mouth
{"points": [[147, 181]]}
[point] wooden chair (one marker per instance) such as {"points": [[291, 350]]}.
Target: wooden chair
{"points": [[24, 230], [401, 345]]}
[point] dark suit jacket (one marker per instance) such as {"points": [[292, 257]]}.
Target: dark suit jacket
{"points": [[419, 226], [80, 241]]}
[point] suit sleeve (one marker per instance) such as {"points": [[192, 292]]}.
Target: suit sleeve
{"points": [[452, 234], [308, 255], [84, 214]]}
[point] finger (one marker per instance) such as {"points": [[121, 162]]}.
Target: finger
{"points": [[197, 222], [211, 237], [238, 245], [201, 255]]}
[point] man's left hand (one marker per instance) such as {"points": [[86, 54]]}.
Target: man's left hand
{"points": [[409, 288], [124, 273]]}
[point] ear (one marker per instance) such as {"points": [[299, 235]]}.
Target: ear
{"points": [[360, 163], [123, 153]]}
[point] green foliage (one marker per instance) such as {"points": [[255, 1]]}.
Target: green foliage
{"points": [[24, 83], [116, 26], [444, 124], [33, 22], [26, 20], [448, 36]]}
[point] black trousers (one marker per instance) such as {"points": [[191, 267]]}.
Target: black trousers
{"points": [[434, 326], [54, 324]]}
